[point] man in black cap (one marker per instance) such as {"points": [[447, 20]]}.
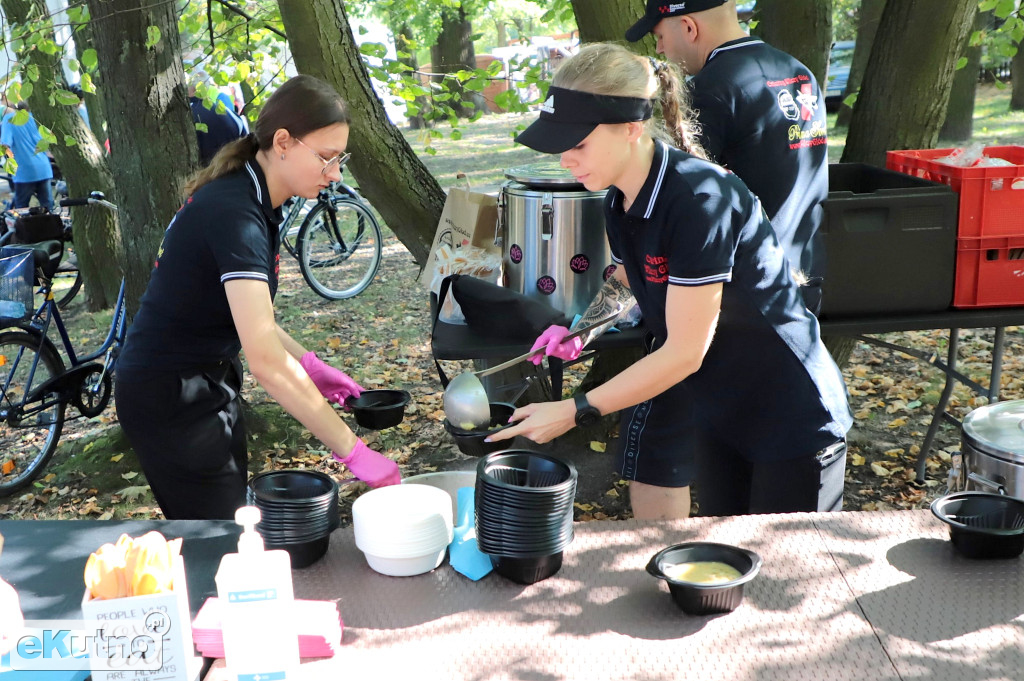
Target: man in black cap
{"points": [[762, 116]]}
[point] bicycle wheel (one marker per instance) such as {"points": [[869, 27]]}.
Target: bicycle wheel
{"points": [[339, 250], [28, 432]]}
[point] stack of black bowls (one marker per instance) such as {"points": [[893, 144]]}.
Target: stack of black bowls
{"points": [[299, 510], [524, 503]]}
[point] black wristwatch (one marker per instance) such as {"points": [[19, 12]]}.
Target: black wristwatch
{"points": [[586, 414]]}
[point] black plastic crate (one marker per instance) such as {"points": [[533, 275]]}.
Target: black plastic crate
{"points": [[890, 242]]}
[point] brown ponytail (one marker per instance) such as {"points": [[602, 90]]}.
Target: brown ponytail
{"points": [[680, 121], [228, 159], [300, 106]]}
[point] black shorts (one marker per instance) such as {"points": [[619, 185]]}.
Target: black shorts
{"points": [[727, 483], [188, 432], [656, 444]]}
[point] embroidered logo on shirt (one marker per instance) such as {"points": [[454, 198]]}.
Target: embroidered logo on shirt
{"points": [[656, 269], [788, 106], [808, 102]]}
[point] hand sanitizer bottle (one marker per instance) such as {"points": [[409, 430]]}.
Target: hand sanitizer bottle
{"points": [[254, 588]]}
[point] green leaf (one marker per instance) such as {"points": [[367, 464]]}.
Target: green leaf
{"points": [[73, 65], [32, 73], [201, 127], [373, 50], [86, 84], [89, 59], [26, 90], [961, 62], [10, 165], [243, 70], [21, 117], [70, 141], [456, 134], [851, 99], [48, 47], [1005, 8], [67, 98], [152, 36]]}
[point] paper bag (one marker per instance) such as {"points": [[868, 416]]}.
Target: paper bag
{"points": [[468, 219]]}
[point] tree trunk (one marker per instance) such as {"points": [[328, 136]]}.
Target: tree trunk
{"points": [[867, 26], [93, 102], [959, 123], [152, 136], [608, 20], [454, 52], [388, 171], [1017, 74], [909, 74], [802, 28], [403, 38], [83, 164]]}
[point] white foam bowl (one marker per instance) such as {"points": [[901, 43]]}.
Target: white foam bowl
{"points": [[406, 567], [402, 521]]}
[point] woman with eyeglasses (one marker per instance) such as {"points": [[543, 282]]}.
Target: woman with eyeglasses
{"points": [[211, 294]]}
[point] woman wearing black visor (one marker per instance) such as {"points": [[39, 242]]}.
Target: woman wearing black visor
{"points": [[728, 331]]}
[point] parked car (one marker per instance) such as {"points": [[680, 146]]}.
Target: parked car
{"points": [[839, 60]]}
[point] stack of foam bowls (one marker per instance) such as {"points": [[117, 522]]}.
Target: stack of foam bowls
{"points": [[524, 503], [403, 530], [298, 509]]}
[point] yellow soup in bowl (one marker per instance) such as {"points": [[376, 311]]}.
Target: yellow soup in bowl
{"points": [[702, 572]]}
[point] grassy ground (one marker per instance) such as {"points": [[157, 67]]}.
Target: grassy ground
{"points": [[382, 338]]}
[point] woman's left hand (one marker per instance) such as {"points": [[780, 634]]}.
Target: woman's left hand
{"points": [[540, 422], [334, 384]]}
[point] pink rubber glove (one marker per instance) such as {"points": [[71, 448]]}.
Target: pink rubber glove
{"points": [[332, 383], [373, 468], [551, 341]]}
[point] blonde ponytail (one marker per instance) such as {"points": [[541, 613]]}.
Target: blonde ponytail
{"points": [[609, 69]]}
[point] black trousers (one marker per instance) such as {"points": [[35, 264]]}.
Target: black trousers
{"points": [[188, 432]]}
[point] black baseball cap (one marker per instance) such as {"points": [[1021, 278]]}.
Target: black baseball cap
{"points": [[661, 9], [568, 116]]}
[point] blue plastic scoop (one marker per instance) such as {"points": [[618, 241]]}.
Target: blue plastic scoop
{"points": [[463, 553]]}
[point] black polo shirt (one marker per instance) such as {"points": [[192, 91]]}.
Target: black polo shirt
{"points": [[762, 116], [766, 385], [227, 230]]}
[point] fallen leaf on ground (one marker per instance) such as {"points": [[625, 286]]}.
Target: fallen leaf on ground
{"points": [[598, 446], [880, 470]]}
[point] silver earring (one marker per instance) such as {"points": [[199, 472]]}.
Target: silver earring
{"points": [[282, 157]]}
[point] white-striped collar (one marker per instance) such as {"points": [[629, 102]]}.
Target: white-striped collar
{"points": [[255, 181], [741, 42]]}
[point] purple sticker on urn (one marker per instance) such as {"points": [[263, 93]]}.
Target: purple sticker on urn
{"points": [[579, 263], [546, 285], [515, 254], [608, 271]]}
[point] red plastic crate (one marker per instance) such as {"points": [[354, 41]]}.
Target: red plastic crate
{"points": [[991, 199], [989, 272]]}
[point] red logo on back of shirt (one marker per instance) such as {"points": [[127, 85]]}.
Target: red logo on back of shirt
{"points": [[277, 264]]}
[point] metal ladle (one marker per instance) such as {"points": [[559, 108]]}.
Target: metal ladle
{"points": [[465, 400]]}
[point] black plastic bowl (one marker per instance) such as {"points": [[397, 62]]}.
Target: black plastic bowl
{"points": [[379, 409], [982, 524], [706, 599], [471, 442], [527, 570], [303, 554]]}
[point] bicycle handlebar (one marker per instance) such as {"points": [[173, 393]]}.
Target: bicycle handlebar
{"points": [[96, 198]]}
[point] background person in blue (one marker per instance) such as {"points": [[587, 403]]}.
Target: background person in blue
{"points": [[728, 325], [761, 115], [34, 173], [223, 125]]}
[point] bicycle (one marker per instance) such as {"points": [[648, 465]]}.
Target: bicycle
{"points": [[67, 280], [338, 243], [36, 387]]}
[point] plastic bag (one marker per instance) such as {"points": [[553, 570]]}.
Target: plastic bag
{"points": [[468, 260]]}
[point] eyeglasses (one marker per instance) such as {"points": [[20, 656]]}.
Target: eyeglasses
{"points": [[339, 160]]}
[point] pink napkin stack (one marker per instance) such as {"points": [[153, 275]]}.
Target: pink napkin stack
{"points": [[320, 628]]}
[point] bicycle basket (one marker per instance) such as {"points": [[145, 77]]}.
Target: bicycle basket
{"points": [[31, 228], [16, 274]]}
